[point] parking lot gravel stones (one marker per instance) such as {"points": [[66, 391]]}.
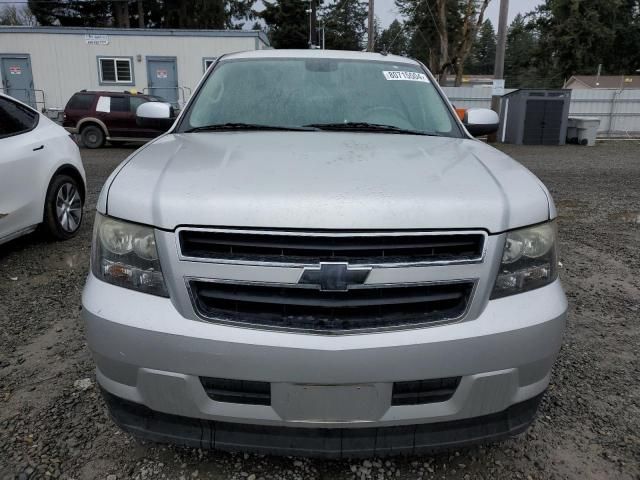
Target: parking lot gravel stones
{"points": [[53, 422]]}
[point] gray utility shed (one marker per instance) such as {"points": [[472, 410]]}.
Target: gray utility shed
{"points": [[534, 117]]}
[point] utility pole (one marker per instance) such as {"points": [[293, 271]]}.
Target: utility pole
{"points": [[371, 32], [313, 25], [498, 69], [501, 45], [310, 37]]}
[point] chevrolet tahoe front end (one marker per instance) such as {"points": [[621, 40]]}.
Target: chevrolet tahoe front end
{"points": [[308, 289]]}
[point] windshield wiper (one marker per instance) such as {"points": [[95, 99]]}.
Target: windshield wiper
{"points": [[245, 126], [368, 127]]}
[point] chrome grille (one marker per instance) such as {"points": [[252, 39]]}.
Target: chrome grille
{"points": [[330, 282], [302, 307], [305, 248]]}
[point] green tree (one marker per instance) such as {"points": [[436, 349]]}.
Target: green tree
{"points": [[72, 13], [627, 41], [575, 36], [443, 31], [425, 33], [519, 68], [393, 39], [344, 23], [155, 13], [287, 23], [483, 53]]}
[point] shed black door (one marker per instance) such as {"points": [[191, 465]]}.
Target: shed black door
{"points": [[552, 122], [542, 122]]}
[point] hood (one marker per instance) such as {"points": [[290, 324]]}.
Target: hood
{"points": [[325, 180]]}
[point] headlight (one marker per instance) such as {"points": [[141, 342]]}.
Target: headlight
{"points": [[529, 260], [125, 254]]}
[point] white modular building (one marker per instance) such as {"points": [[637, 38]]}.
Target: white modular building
{"points": [[44, 66]]}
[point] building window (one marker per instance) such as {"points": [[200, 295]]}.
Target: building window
{"points": [[207, 62], [115, 70]]}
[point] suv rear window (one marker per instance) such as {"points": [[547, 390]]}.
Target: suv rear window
{"points": [[119, 104], [80, 101], [135, 102]]}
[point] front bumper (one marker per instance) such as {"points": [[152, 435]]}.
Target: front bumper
{"points": [[320, 442], [148, 354]]}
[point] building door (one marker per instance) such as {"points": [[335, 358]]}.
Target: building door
{"points": [[543, 122], [17, 80], [162, 75]]}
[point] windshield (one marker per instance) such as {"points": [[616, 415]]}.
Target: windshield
{"points": [[320, 92]]}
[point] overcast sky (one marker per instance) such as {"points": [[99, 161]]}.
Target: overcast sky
{"points": [[387, 12]]}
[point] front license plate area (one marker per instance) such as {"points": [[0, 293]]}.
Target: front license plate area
{"points": [[329, 403]]}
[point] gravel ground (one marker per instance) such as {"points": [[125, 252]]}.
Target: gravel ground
{"points": [[53, 422]]}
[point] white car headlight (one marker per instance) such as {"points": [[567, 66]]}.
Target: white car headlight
{"points": [[125, 254], [529, 260]]}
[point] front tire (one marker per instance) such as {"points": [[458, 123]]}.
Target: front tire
{"points": [[63, 208], [92, 136]]}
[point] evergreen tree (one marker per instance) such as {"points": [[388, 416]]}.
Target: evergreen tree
{"points": [[344, 23], [626, 45], [393, 39], [574, 36], [483, 53], [287, 23], [157, 13], [425, 34], [72, 13], [519, 68]]}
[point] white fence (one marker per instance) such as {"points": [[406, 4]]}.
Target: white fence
{"points": [[618, 110]]}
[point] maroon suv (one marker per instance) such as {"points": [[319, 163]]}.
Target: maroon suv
{"points": [[107, 116]]}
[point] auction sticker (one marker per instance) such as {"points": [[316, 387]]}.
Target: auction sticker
{"points": [[410, 76]]}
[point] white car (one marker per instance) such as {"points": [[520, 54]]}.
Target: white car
{"points": [[42, 180]]}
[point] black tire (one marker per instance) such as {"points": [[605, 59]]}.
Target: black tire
{"points": [[92, 136], [63, 208]]}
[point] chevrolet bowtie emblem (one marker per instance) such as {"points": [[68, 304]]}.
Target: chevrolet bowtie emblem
{"points": [[336, 277]]}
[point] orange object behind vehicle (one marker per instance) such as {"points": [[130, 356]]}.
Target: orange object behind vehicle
{"points": [[461, 112]]}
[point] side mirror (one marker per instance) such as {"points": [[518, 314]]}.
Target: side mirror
{"points": [[156, 115], [481, 121]]}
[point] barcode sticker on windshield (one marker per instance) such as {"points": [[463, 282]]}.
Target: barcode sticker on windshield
{"points": [[410, 76]]}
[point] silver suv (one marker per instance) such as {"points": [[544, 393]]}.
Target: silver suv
{"points": [[319, 259]]}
